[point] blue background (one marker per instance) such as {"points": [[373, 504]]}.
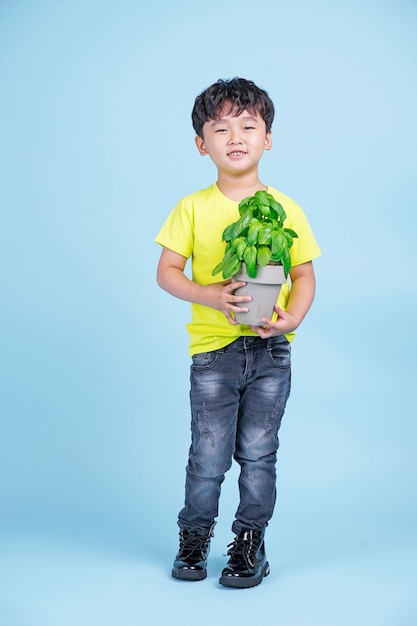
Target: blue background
{"points": [[96, 147]]}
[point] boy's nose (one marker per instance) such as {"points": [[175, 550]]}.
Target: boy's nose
{"points": [[235, 139]]}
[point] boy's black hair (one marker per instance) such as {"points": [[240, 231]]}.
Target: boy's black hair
{"points": [[242, 94]]}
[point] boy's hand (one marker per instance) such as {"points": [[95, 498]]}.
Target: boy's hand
{"points": [[285, 323], [220, 296]]}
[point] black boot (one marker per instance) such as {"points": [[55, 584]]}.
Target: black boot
{"points": [[247, 564], [191, 560]]}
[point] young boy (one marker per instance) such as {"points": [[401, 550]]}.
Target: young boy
{"points": [[240, 375]]}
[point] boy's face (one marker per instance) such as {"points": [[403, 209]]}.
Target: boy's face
{"points": [[235, 144]]}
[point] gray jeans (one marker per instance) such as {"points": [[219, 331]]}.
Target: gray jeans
{"points": [[238, 396]]}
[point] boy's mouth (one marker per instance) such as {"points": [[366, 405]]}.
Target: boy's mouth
{"points": [[236, 153]]}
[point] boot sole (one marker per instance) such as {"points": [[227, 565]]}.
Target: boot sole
{"points": [[240, 582], [188, 574]]}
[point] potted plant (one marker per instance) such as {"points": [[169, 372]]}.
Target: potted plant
{"points": [[257, 252]]}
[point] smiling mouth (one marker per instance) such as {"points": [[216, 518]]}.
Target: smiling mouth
{"points": [[236, 153]]}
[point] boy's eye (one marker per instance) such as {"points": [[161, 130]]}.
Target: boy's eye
{"points": [[248, 127], [221, 130]]}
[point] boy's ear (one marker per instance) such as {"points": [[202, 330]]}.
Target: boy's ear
{"points": [[268, 140], [201, 146]]}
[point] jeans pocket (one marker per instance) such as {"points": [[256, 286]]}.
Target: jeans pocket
{"points": [[279, 351], [205, 360]]}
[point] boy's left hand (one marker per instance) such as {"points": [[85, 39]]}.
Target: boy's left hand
{"points": [[285, 323]]}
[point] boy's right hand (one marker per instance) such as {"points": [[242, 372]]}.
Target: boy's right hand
{"points": [[221, 296]]}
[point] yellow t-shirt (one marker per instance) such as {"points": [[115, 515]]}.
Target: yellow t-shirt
{"points": [[194, 229]]}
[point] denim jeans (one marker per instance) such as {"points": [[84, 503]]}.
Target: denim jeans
{"points": [[238, 396]]}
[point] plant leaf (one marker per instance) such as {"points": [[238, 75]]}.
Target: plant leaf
{"points": [[245, 204], [262, 198], [265, 210], [239, 245], [231, 266], [291, 232], [264, 237], [252, 236], [227, 254], [242, 224], [288, 238], [279, 209], [249, 258], [228, 232], [278, 244], [218, 268], [264, 255], [286, 261]]}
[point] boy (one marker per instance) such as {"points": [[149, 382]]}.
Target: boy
{"points": [[240, 375]]}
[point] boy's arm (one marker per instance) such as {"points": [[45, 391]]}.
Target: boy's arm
{"points": [[170, 277], [300, 299]]}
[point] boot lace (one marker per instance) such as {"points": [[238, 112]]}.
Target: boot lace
{"points": [[193, 546], [243, 549]]}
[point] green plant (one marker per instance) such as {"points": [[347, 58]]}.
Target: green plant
{"points": [[258, 237]]}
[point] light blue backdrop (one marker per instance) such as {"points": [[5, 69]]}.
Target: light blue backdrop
{"points": [[96, 147]]}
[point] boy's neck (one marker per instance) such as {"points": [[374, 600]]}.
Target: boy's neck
{"points": [[240, 187]]}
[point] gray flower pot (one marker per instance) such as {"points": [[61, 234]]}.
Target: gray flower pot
{"points": [[264, 290]]}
